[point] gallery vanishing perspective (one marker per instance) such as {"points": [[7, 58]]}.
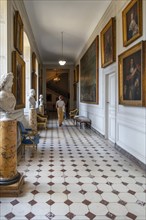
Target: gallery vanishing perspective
{"points": [[75, 147]]}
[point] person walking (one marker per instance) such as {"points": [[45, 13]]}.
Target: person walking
{"points": [[60, 106]]}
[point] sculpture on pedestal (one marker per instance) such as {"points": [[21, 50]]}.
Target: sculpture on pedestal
{"points": [[11, 180], [32, 102], [7, 99], [41, 99]]}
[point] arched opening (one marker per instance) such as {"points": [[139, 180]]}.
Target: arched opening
{"points": [[27, 59], [37, 83]]}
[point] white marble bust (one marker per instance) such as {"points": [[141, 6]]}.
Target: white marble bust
{"points": [[41, 100], [32, 102], [7, 99]]}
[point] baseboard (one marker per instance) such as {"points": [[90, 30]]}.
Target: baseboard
{"points": [[97, 132], [124, 152], [131, 157]]}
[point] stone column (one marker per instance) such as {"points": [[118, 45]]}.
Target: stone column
{"points": [[10, 179], [41, 109], [33, 119]]}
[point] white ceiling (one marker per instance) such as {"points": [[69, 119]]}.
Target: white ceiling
{"points": [[75, 18]]}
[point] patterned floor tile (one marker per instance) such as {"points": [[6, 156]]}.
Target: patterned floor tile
{"points": [[76, 174]]}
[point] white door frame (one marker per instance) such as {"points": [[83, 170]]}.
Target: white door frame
{"points": [[108, 108]]}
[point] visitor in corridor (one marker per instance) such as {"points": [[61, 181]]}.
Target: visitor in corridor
{"points": [[60, 105]]}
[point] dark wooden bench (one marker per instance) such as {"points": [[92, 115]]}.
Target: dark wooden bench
{"points": [[82, 120]]}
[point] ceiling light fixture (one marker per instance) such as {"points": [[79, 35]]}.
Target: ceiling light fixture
{"points": [[62, 62], [56, 78]]}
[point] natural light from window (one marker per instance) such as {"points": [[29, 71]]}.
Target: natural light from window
{"points": [[3, 37]]}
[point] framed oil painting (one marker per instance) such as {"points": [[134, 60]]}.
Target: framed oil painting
{"points": [[76, 74], [33, 62], [18, 33], [132, 76], [108, 43], [89, 64], [18, 68], [132, 22], [40, 80]]}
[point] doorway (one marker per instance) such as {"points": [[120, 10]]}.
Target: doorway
{"points": [[110, 107]]}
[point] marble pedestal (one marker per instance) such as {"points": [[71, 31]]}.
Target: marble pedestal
{"points": [[33, 119], [41, 109], [11, 180]]}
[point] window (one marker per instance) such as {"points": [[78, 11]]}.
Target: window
{"points": [[3, 37]]}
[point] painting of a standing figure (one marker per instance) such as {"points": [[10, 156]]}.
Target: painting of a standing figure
{"points": [[133, 26], [132, 75], [108, 43], [132, 22]]}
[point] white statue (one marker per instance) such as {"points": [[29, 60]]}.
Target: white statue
{"points": [[41, 99], [32, 102], [7, 99]]}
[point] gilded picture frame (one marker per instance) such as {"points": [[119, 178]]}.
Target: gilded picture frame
{"points": [[33, 62], [18, 68], [76, 74], [18, 33], [108, 43], [40, 80], [132, 22], [132, 76], [89, 76]]}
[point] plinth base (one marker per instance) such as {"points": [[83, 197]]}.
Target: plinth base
{"points": [[12, 190]]}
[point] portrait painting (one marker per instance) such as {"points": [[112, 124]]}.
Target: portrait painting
{"points": [[40, 80], [76, 74], [18, 33], [33, 62], [18, 68], [89, 74], [108, 43], [132, 76], [132, 22]]}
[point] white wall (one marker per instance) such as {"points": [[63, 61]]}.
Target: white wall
{"points": [[129, 124], [12, 6]]}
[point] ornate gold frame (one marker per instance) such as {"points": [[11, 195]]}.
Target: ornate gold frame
{"points": [[18, 68], [18, 33], [108, 43], [76, 74], [135, 8], [132, 78], [89, 76]]}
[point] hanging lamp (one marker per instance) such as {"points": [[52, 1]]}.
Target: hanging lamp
{"points": [[62, 62]]}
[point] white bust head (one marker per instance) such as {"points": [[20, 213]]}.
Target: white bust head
{"points": [[32, 92], [7, 99], [32, 102], [6, 82], [41, 99]]}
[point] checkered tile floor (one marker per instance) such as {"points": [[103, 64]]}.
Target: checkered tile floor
{"points": [[75, 174]]}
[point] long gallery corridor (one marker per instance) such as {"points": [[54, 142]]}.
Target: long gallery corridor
{"points": [[76, 174]]}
